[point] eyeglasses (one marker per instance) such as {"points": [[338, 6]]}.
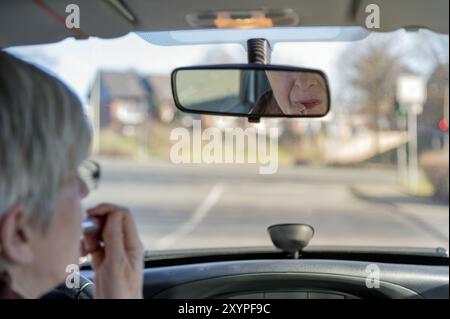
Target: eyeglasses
{"points": [[89, 173]]}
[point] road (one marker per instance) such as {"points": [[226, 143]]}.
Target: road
{"points": [[202, 206]]}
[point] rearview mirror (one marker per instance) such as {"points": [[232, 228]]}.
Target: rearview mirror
{"points": [[251, 90]]}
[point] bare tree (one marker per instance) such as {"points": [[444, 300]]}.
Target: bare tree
{"points": [[433, 110], [373, 71]]}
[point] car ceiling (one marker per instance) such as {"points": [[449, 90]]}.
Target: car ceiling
{"points": [[25, 22]]}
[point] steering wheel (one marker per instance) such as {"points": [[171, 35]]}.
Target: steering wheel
{"points": [[85, 291]]}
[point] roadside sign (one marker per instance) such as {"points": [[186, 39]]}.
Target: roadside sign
{"points": [[411, 92], [416, 108]]}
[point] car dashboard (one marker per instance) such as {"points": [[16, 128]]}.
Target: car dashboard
{"points": [[304, 278]]}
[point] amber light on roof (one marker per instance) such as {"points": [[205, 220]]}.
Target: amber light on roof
{"points": [[248, 23], [243, 19]]}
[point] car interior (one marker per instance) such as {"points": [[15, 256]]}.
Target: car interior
{"points": [[288, 267]]}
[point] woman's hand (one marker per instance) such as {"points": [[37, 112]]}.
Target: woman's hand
{"points": [[117, 253]]}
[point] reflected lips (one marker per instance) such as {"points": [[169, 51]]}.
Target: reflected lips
{"points": [[311, 103]]}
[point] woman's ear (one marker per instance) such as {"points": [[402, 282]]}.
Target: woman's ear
{"points": [[16, 237]]}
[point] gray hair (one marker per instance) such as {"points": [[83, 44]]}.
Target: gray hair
{"points": [[44, 136]]}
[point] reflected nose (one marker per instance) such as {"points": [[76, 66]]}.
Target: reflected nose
{"points": [[299, 91], [305, 84]]}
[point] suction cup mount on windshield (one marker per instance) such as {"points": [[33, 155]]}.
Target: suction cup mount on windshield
{"points": [[291, 238]]}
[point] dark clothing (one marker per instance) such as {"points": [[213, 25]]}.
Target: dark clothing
{"points": [[267, 105], [5, 287]]}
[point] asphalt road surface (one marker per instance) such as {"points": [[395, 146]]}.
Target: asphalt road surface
{"points": [[204, 206]]}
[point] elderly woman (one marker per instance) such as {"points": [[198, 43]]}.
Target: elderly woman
{"points": [[293, 93], [44, 137]]}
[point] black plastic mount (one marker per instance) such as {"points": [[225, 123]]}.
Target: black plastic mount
{"points": [[258, 51]]}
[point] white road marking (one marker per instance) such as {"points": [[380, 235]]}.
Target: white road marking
{"points": [[199, 214]]}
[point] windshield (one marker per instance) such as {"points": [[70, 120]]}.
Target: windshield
{"points": [[373, 172]]}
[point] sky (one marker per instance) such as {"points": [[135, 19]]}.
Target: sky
{"points": [[77, 61]]}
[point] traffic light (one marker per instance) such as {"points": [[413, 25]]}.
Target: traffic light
{"points": [[400, 111], [443, 125]]}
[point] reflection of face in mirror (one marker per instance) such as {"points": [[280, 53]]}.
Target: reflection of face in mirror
{"points": [[295, 93]]}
